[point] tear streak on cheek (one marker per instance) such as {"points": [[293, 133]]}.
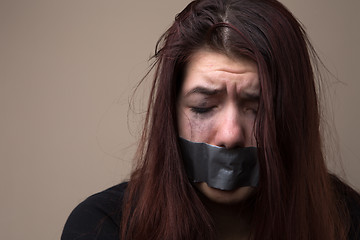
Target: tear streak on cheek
{"points": [[200, 129]]}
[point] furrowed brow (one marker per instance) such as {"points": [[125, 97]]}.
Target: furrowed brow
{"points": [[204, 91]]}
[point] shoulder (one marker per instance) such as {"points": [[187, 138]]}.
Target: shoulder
{"points": [[351, 200], [97, 217]]}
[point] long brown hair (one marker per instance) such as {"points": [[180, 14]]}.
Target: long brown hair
{"points": [[295, 199]]}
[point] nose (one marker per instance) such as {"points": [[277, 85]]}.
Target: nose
{"points": [[231, 130]]}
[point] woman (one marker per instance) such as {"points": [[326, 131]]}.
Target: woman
{"points": [[231, 76]]}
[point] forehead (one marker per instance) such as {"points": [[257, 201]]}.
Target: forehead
{"points": [[210, 59], [217, 70]]}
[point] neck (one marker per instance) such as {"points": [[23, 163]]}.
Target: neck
{"points": [[231, 221]]}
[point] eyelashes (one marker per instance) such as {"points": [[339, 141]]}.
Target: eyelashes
{"points": [[206, 110], [201, 110]]}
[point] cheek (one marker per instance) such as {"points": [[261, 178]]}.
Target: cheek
{"points": [[201, 131], [250, 131], [193, 128]]}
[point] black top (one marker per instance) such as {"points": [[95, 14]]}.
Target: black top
{"points": [[98, 217]]}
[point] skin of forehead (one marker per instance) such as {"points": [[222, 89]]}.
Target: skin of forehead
{"points": [[217, 70], [231, 63]]}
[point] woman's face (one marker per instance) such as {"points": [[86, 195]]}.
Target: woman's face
{"points": [[217, 105]]}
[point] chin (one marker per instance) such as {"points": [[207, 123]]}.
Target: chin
{"points": [[231, 197]]}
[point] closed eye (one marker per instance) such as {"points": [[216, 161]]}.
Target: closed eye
{"points": [[201, 110]]}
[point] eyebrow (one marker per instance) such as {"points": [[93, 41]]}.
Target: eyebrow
{"points": [[205, 91], [248, 96]]}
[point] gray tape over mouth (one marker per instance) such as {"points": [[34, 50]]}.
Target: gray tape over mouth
{"points": [[221, 168]]}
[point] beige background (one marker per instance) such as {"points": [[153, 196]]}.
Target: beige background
{"points": [[67, 71]]}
